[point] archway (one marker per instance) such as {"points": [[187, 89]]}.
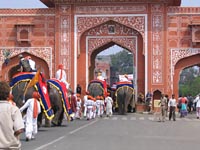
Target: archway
{"points": [[11, 68], [100, 37], [180, 65]]}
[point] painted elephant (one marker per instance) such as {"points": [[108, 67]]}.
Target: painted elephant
{"points": [[125, 97], [95, 88]]}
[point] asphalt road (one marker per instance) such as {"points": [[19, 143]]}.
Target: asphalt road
{"points": [[130, 132]]}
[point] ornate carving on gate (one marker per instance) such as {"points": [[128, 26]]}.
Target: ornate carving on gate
{"points": [[119, 29], [157, 43], [111, 9], [65, 39], [128, 42], [135, 22]]}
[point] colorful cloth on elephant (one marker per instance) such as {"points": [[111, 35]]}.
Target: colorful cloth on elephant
{"points": [[120, 84], [40, 87], [62, 89]]}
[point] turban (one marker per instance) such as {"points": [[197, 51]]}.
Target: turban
{"points": [[60, 66], [36, 95]]}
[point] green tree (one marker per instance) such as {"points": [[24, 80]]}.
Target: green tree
{"points": [[122, 62], [190, 87]]}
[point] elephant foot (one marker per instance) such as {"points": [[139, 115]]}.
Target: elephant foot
{"points": [[39, 124], [54, 124], [60, 123]]}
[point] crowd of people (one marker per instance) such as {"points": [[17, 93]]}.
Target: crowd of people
{"points": [[184, 104], [89, 107]]}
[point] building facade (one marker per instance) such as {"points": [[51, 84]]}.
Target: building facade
{"points": [[163, 37]]}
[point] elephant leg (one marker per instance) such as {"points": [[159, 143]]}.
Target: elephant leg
{"points": [[120, 107], [39, 120], [57, 112], [61, 118], [47, 122], [123, 107]]}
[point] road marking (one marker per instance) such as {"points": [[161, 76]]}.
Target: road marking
{"points": [[133, 118], [124, 118], [141, 118], [50, 143], [72, 132], [114, 118], [151, 118]]}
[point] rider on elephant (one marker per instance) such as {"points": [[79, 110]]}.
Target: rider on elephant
{"points": [[61, 75], [101, 78]]}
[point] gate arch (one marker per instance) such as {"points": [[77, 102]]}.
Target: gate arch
{"points": [[10, 68], [98, 38], [182, 64]]}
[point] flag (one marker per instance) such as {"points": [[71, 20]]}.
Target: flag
{"points": [[34, 80]]}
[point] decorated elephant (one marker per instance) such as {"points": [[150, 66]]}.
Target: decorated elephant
{"points": [[95, 88], [125, 97], [59, 101], [51, 98]]}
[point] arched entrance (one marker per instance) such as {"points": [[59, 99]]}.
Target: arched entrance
{"points": [[105, 35], [41, 55], [182, 64]]}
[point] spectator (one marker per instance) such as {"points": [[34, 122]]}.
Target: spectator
{"points": [[78, 89], [172, 107], [190, 103], [10, 120], [148, 101], [183, 109], [197, 101], [163, 102]]}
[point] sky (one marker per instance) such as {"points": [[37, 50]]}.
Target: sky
{"points": [[38, 4]]}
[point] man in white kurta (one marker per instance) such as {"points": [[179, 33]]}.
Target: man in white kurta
{"points": [[85, 98], [78, 107], [32, 63], [98, 105], [31, 122], [109, 103]]}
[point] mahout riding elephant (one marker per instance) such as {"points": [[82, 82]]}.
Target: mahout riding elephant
{"points": [[125, 97], [95, 88]]}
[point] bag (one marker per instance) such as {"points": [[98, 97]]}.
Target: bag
{"points": [[26, 66], [179, 105]]}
